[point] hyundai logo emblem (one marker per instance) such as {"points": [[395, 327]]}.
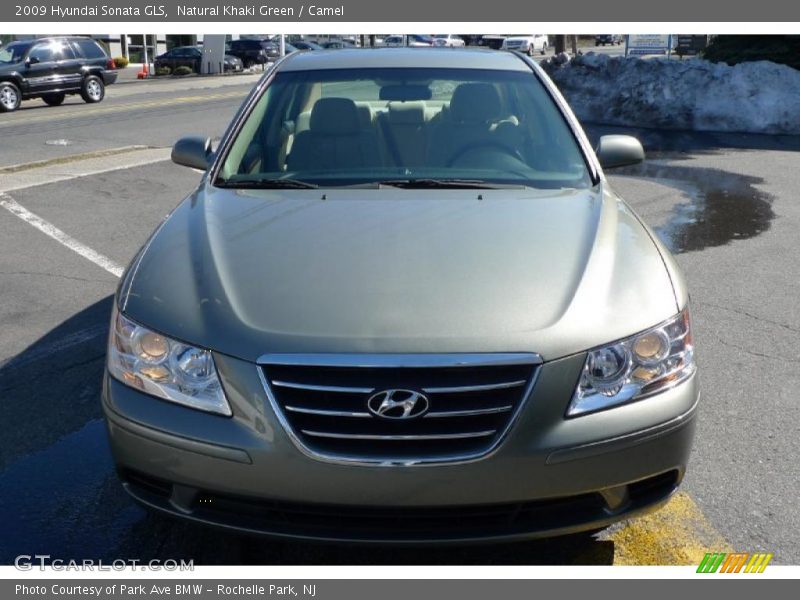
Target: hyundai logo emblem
{"points": [[398, 404]]}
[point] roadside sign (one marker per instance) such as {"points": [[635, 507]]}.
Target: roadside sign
{"points": [[645, 45], [689, 45]]}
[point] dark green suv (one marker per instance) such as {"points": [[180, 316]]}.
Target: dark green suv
{"points": [[51, 68]]}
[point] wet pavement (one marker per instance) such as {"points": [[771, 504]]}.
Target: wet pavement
{"points": [[719, 207]]}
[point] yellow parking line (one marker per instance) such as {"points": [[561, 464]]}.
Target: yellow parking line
{"points": [[121, 108], [678, 534]]}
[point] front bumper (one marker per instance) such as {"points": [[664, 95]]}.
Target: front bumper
{"points": [[550, 475]]}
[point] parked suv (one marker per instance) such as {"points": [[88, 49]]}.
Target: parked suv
{"points": [[257, 52], [534, 42], [250, 52], [51, 68], [613, 40]]}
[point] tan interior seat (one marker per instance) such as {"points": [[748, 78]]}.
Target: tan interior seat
{"points": [[474, 118], [403, 132], [335, 139], [474, 109]]}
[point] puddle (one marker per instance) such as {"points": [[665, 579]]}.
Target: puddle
{"points": [[720, 206]]}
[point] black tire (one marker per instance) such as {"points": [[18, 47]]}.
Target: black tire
{"points": [[54, 99], [93, 89], [10, 97]]}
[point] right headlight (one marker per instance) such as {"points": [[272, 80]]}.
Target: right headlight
{"points": [[635, 367], [163, 367]]}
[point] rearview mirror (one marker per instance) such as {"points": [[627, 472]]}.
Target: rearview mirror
{"points": [[194, 152], [619, 151]]}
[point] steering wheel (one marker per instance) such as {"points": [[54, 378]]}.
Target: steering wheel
{"points": [[494, 145]]}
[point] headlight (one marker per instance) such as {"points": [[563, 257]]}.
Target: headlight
{"points": [[635, 367], [163, 367]]}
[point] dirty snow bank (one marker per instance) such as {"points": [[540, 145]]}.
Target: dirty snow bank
{"points": [[754, 97]]}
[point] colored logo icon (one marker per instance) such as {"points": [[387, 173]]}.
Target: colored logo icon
{"points": [[736, 562]]}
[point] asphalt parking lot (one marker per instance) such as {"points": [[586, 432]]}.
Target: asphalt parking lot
{"points": [[727, 205]]}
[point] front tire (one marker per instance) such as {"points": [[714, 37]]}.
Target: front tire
{"points": [[54, 99], [10, 97], [93, 89]]}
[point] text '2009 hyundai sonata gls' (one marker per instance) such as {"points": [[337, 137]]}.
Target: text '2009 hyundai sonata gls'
{"points": [[403, 305]]}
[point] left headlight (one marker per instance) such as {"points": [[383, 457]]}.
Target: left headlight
{"points": [[636, 367], [163, 367]]}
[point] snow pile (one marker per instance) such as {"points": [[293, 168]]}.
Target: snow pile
{"points": [[754, 97]]}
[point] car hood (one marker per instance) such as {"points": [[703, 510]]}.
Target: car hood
{"points": [[399, 271]]}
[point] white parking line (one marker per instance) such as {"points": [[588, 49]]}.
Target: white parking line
{"points": [[54, 232]]}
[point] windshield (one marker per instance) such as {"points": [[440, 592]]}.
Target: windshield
{"points": [[465, 127], [14, 52]]}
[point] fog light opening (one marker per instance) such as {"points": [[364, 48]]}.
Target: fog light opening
{"points": [[182, 497], [616, 498]]}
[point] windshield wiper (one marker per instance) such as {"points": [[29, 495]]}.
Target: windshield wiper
{"points": [[266, 183], [421, 184]]}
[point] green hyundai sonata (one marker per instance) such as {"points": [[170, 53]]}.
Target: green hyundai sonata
{"points": [[404, 304]]}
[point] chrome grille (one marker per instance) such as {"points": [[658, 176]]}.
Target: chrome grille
{"points": [[472, 400]]}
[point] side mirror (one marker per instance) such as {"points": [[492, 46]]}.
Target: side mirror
{"points": [[619, 151], [194, 152], [32, 60]]}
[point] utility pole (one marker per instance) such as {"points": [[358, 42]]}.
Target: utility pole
{"points": [[561, 44]]}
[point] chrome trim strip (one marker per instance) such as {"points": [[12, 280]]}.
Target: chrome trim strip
{"points": [[401, 360], [327, 413], [350, 460], [473, 388], [173, 440], [469, 413], [360, 436], [322, 388]]}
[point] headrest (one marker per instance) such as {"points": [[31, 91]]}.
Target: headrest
{"points": [[364, 115], [475, 102], [335, 116], [407, 113]]}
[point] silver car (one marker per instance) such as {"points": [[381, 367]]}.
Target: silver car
{"points": [[404, 304]]}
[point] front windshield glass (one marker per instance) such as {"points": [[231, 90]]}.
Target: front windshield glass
{"points": [[390, 126], [13, 53]]}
